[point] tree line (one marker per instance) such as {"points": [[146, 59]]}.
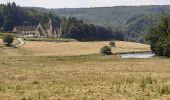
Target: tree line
{"points": [[159, 38], [133, 21], [13, 15], [77, 29]]}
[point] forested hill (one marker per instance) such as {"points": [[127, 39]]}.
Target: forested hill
{"points": [[123, 22], [13, 15], [133, 20]]}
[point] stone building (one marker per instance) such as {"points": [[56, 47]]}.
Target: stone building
{"points": [[41, 30]]}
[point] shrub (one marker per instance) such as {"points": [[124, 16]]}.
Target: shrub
{"points": [[112, 44], [106, 50], [8, 40]]}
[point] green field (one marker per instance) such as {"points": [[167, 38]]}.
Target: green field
{"points": [[89, 77]]}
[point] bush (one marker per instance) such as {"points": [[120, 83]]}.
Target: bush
{"points": [[112, 44], [8, 40], [106, 50]]}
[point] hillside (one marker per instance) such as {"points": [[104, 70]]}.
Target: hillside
{"points": [[133, 20], [12, 15], [36, 48]]}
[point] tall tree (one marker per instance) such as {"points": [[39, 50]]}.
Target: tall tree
{"points": [[159, 38]]}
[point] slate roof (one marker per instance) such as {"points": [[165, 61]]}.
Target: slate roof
{"points": [[46, 26], [26, 28]]}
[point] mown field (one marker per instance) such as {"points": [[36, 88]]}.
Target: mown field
{"points": [[36, 48], [27, 75]]}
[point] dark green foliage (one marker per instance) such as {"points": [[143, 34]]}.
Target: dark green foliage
{"points": [[8, 25], [26, 23], [12, 15], [165, 89], [159, 38], [112, 44], [106, 50], [77, 29], [8, 40], [167, 49], [133, 21]]}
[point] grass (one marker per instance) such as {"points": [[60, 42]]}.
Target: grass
{"points": [[49, 39], [31, 73], [1, 43], [2, 34], [36, 48], [83, 77]]}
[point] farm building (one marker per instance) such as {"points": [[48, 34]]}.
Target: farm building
{"points": [[41, 30]]}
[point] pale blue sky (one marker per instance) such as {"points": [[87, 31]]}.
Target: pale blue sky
{"points": [[84, 3]]}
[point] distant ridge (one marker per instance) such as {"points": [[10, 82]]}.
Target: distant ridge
{"points": [[132, 20]]}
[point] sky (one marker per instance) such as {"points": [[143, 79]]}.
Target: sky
{"points": [[85, 3]]}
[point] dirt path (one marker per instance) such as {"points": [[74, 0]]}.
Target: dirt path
{"points": [[21, 42]]}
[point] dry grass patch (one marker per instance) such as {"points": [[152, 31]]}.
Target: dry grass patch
{"points": [[43, 75], [1, 46], [1, 43], [78, 48], [36, 48], [83, 77], [11, 51], [122, 46]]}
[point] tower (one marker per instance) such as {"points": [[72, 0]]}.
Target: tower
{"points": [[51, 32], [50, 21]]}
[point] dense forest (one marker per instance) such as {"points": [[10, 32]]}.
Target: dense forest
{"points": [[159, 38], [133, 21], [77, 29], [130, 23], [13, 15]]}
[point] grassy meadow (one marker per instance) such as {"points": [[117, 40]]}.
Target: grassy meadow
{"points": [[50, 39], [37, 48], [31, 72]]}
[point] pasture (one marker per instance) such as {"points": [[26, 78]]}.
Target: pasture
{"points": [[75, 71], [36, 48]]}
